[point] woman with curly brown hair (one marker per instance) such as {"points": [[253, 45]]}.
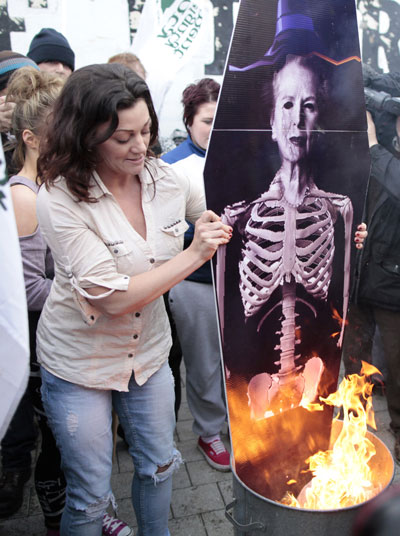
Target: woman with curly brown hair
{"points": [[114, 218]]}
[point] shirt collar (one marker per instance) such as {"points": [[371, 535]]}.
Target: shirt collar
{"points": [[151, 174]]}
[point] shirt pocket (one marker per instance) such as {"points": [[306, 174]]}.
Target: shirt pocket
{"points": [[124, 258], [171, 237]]}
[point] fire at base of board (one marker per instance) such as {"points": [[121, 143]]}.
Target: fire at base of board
{"points": [[342, 475]]}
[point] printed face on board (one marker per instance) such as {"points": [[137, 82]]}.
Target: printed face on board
{"points": [[295, 111]]}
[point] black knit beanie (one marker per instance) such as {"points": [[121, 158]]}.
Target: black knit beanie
{"points": [[50, 45], [9, 62]]}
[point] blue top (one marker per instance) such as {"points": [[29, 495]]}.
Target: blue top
{"points": [[185, 149]]}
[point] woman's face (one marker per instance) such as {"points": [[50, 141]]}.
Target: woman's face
{"points": [[295, 113], [125, 151], [202, 122]]}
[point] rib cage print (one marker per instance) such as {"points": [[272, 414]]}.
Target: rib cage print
{"points": [[284, 241]]}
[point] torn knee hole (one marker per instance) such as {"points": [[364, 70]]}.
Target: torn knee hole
{"points": [[163, 468]]}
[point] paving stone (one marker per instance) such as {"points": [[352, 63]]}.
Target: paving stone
{"points": [[226, 489], [184, 431], [125, 462], [184, 413], [26, 526], [196, 500], [382, 420], [189, 450], [187, 526], [180, 478], [217, 524], [387, 437], [201, 472], [379, 403], [34, 505], [121, 485]]}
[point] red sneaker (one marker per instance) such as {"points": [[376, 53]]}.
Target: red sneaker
{"points": [[215, 454]]}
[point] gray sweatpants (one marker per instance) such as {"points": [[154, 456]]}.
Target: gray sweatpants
{"points": [[192, 306]]}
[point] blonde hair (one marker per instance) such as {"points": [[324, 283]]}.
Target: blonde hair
{"points": [[131, 61], [34, 93]]}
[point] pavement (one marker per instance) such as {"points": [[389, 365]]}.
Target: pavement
{"points": [[200, 493]]}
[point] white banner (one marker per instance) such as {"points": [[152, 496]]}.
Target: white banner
{"points": [[14, 347], [170, 34]]}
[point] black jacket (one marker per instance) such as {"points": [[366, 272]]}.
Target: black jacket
{"points": [[378, 281]]}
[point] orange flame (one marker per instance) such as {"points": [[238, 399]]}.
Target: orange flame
{"points": [[342, 475], [336, 316]]}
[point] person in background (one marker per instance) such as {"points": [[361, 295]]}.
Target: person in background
{"points": [[52, 52], [113, 217], [32, 93], [9, 62], [377, 288], [192, 301], [131, 61]]}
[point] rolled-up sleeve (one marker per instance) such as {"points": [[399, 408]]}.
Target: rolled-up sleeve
{"points": [[76, 248]]}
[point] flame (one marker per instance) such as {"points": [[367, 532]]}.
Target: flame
{"points": [[342, 475], [336, 316]]}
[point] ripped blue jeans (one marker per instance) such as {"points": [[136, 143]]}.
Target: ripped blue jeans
{"points": [[81, 422]]}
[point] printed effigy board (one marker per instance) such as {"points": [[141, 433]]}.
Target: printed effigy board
{"points": [[287, 167]]}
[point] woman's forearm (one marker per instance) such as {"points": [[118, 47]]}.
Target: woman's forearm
{"points": [[148, 286], [143, 288]]}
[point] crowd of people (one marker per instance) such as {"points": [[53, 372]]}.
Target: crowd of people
{"points": [[116, 245], [85, 178]]}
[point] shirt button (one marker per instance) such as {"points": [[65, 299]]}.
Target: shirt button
{"points": [[135, 336], [130, 355], [152, 261], [115, 250], [137, 315]]}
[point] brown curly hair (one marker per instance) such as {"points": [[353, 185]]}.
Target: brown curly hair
{"points": [[92, 96]]}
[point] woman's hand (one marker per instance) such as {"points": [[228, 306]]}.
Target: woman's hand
{"points": [[360, 235], [6, 111], [209, 233]]}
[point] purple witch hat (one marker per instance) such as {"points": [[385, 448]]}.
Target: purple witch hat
{"points": [[294, 33]]}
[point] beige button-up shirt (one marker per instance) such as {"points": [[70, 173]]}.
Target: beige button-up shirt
{"points": [[93, 244]]}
